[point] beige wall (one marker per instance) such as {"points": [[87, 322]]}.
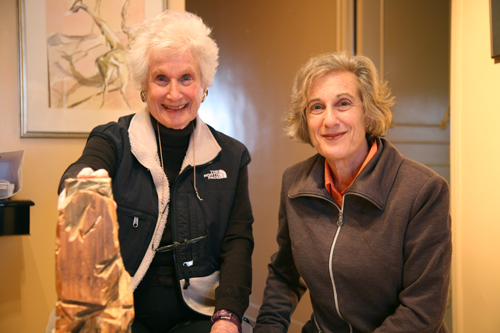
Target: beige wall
{"points": [[27, 273], [475, 162], [176, 4]]}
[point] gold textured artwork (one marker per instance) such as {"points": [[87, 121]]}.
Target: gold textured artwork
{"points": [[93, 287]]}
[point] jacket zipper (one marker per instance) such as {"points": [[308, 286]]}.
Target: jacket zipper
{"points": [[340, 223], [174, 251], [317, 325], [184, 266]]}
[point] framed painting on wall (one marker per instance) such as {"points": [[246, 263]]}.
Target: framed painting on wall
{"points": [[73, 69]]}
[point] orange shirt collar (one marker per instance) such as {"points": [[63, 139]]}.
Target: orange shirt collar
{"points": [[330, 186]]}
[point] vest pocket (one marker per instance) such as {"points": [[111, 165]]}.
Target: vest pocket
{"points": [[135, 233]]}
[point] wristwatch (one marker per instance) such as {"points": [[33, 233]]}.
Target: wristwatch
{"points": [[226, 315]]}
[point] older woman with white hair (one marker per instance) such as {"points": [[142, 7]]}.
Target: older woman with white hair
{"points": [[364, 228], [181, 187]]}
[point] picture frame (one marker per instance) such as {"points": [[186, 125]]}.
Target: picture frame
{"points": [[495, 28], [72, 64]]}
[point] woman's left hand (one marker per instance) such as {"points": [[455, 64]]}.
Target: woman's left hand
{"points": [[224, 326]]}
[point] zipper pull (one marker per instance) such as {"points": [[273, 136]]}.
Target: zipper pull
{"points": [[135, 224], [186, 272], [340, 221]]}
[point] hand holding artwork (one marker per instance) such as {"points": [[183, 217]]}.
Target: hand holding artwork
{"points": [[85, 173], [90, 173]]}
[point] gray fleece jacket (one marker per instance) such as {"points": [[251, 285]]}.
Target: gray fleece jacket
{"points": [[380, 263]]}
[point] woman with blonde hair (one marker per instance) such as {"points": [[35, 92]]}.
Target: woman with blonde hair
{"points": [[364, 228]]}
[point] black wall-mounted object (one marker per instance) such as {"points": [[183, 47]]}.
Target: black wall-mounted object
{"points": [[495, 28], [15, 217]]}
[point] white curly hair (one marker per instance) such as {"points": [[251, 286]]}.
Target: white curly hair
{"points": [[175, 32]]}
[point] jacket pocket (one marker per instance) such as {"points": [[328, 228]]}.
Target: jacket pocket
{"points": [[135, 233]]}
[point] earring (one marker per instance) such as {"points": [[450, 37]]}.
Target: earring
{"points": [[143, 96], [205, 94]]}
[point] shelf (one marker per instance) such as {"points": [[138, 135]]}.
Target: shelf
{"points": [[15, 217]]}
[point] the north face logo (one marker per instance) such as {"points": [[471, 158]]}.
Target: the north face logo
{"points": [[216, 174]]}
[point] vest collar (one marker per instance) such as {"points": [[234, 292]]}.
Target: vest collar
{"points": [[203, 147]]}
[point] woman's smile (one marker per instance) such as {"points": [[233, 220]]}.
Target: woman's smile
{"points": [[175, 108], [333, 136]]}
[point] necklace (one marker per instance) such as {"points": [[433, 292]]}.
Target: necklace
{"points": [[161, 163], [194, 168]]}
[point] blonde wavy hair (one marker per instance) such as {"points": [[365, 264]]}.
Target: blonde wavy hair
{"points": [[375, 94]]}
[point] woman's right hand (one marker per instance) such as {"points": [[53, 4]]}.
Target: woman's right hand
{"points": [[90, 173], [83, 174]]}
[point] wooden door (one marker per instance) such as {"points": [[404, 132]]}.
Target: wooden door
{"points": [[409, 42]]}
